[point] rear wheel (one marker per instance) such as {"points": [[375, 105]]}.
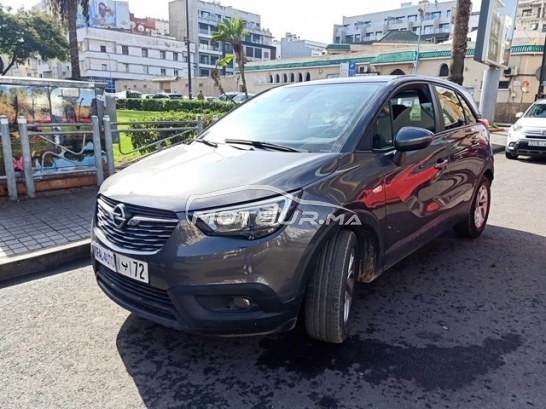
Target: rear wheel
{"points": [[330, 293], [474, 223], [510, 155]]}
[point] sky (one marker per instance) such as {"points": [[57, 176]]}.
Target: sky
{"points": [[309, 19]]}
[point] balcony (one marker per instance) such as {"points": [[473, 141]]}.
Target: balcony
{"points": [[205, 47]]}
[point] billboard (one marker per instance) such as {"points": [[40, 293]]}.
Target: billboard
{"points": [[495, 32], [106, 14]]}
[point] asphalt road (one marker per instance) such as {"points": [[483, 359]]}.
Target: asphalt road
{"points": [[460, 324]]}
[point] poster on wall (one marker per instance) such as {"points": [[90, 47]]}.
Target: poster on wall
{"points": [[109, 14]]}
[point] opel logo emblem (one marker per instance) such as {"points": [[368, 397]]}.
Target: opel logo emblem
{"points": [[119, 216]]}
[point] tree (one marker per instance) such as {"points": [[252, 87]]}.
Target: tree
{"points": [[67, 12], [215, 74], [460, 34], [27, 34], [233, 32]]}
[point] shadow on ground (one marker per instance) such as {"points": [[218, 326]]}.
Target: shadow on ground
{"points": [[445, 320]]}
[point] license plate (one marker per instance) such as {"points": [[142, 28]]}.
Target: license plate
{"points": [[537, 143], [127, 266]]}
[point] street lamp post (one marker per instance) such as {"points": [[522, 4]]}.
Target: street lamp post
{"points": [[110, 70], [188, 47], [421, 11]]}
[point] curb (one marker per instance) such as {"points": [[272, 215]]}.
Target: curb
{"points": [[498, 148], [43, 260]]}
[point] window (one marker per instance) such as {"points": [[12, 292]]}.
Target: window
{"points": [[452, 109], [285, 78], [145, 86], [175, 56], [436, 15], [204, 72], [258, 52], [277, 79], [104, 67], [175, 73], [412, 17], [448, 14], [146, 69], [126, 67], [163, 55], [145, 52], [102, 48], [250, 51], [410, 107], [399, 20], [266, 55], [504, 84], [444, 70], [348, 39], [125, 50], [444, 28], [527, 13], [163, 71], [468, 113], [427, 29], [292, 77]]}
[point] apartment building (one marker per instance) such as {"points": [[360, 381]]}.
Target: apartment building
{"points": [[531, 15], [203, 18], [434, 18], [291, 46]]}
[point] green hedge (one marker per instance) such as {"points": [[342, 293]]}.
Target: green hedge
{"points": [[184, 105], [145, 138]]}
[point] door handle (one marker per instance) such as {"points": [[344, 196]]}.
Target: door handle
{"points": [[441, 164]]}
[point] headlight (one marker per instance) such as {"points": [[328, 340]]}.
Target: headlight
{"points": [[516, 127], [252, 221]]}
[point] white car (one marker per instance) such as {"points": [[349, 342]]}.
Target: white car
{"points": [[527, 137]]}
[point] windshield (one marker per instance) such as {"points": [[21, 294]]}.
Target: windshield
{"points": [[314, 118], [536, 111]]}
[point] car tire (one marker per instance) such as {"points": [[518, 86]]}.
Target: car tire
{"points": [[474, 223], [510, 155], [330, 292]]}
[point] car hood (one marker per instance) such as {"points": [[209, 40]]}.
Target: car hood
{"points": [[207, 177], [539, 123]]}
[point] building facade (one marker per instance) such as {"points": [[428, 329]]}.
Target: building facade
{"points": [[291, 46], [203, 18], [531, 15]]}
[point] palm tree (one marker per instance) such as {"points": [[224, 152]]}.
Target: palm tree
{"points": [[460, 34], [233, 32], [67, 11]]}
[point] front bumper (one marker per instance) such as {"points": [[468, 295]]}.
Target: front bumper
{"points": [[520, 146], [195, 287]]}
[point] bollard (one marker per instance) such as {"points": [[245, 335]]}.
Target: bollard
{"points": [[199, 124], [108, 145], [8, 157], [97, 149], [27, 158]]}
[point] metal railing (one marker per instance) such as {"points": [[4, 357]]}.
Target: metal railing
{"points": [[113, 130], [175, 133], [55, 148]]}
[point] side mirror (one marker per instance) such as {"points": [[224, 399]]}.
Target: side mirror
{"points": [[410, 138], [519, 115]]}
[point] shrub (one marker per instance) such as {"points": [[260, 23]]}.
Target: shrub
{"points": [[142, 139], [165, 105]]}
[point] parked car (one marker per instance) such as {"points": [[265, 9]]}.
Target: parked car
{"points": [[295, 197], [527, 137], [239, 99], [228, 96], [161, 96], [176, 96]]}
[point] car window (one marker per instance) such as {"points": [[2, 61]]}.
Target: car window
{"points": [[536, 111], [469, 114], [452, 110], [411, 107], [315, 118]]}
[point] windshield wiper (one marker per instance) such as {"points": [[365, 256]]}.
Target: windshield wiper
{"points": [[208, 143], [264, 145]]}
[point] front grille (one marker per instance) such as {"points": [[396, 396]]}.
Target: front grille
{"points": [[535, 134], [523, 148], [141, 295], [146, 230]]}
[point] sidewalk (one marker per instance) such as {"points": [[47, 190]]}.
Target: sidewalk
{"points": [[40, 234], [54, 225]]}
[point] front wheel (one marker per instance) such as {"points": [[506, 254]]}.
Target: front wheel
{"points": [[330, 293], [474, 223]]}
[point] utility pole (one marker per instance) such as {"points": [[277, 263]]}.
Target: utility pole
{"points": [[188, 47], [421, 11]]}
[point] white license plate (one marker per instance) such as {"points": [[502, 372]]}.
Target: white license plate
{"points": [[130, 267], [537, 143]]}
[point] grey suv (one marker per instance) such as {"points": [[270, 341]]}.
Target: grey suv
{"points": [[276, 211]]}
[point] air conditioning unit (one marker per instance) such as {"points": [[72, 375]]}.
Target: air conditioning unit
{"points": [[511, 72]]}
